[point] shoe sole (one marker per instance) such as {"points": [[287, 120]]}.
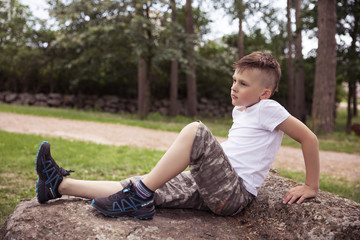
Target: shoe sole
{"points": [[37, 191], [37, 156], [37, 182], [128, 215], [41, 201]]}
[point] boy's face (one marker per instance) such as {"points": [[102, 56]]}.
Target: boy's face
{"points": [[247, 88]]}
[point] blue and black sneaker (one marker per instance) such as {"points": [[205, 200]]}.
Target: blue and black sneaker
{"points": [[125, 203], [50, 174]]}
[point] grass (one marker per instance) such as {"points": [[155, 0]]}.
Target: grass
{"points": [[339, 186], [339, 141]]}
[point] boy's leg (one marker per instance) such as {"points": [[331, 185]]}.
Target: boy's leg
{"points": [[175, 160], [180, 192], [52, 182], [88, 189], [213, 184], [219, 185], [138, 200]]}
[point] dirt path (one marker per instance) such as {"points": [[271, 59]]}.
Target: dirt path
{"points": [[332, 163]]}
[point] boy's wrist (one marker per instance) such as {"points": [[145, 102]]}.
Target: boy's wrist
{"points": [[315, 188]]}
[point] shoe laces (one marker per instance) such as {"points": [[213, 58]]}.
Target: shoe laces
{"points": [[62, 171], [128, 190], [65, 172]]}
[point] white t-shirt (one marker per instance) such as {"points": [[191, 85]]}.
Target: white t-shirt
{"points": [[253, 141]]}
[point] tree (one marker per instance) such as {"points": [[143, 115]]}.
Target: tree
{"points": [[191, 75], [348, 24], [240, 44], [214, 70], [236, 10], [14, 44], [92, 52], [143, 88], [300, 108], [174, 75], [324, 90], [144, 59], [290, 70]]}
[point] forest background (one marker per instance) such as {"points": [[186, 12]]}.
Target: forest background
{"points": [[156, 49]]}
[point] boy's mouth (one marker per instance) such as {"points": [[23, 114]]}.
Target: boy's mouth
{"points": [[233, 96]]}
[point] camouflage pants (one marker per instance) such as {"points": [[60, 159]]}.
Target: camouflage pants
{"points": [[212, 184]]}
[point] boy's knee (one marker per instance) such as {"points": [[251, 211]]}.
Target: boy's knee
{"points": [[191, 128], [195, 125]]}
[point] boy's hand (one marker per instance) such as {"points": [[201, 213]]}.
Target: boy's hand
{"points": [[300, 193]]}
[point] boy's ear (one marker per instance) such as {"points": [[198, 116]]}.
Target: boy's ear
{"points": [[266, 94]]}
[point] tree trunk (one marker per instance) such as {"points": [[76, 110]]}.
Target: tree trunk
{"points": [[355, 110], [300, 109], [351, 73], [143, 89], [349, 112], [174, 75], [354, 36], [144, 69], [174, 88], [291, 93], [324, 88], [52, 82], [240, 42], [191, 76]]}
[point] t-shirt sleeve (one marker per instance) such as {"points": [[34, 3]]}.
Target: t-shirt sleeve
{"points": [[272, 114]]}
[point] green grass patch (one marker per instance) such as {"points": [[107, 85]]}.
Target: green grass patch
{"points": [[340, 121], [90, 161], [339, 186], [338, 142]]}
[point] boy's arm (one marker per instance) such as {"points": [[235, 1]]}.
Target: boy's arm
{"points": [[309, 143]]}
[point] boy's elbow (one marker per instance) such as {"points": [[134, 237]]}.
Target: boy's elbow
{"points": [[309, 139], [313, 139]]}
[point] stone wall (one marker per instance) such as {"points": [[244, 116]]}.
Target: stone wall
{"points": [[112, 104]]}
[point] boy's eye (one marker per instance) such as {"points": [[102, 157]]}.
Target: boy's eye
{"points": [[243, 84]]}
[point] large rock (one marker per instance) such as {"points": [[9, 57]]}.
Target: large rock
{"points": [[54, 100], [27, 99], [11, 97], [325, 217]]}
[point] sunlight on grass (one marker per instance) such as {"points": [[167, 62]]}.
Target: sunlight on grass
{"points": [[342, 187]]}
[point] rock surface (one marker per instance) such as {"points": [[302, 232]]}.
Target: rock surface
{"points": [[325, 217]]}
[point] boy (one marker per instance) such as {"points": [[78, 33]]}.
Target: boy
{"points": [[223, 178]]}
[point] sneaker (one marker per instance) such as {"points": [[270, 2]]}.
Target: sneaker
{"points": [[125, 203], [50, 174]]}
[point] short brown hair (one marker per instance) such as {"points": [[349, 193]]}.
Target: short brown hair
{"points": [[264, 62]]}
